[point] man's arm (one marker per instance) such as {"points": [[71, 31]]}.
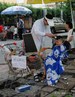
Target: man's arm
{"points": [[37, 30], [50, 35]]}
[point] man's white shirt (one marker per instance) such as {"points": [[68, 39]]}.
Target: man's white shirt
{"points": [[38, 32]]}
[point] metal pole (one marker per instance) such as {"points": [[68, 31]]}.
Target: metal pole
{"points": [[42, 1], [44, 10], [61, 11], [72, 13]]}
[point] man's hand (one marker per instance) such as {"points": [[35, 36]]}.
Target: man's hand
{"points": [[50, 35]]}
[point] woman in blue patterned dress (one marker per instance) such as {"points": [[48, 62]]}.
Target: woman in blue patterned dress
{"points": [[53, 63]]}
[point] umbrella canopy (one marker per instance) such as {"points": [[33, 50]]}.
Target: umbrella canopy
{"points": [[14, 10], [42, 1]]}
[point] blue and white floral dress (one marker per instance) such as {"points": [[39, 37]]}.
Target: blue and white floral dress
{"points": [[53, 64]]}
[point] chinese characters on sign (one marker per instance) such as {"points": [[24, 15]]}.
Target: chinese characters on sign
{"points": [[19, 62]]}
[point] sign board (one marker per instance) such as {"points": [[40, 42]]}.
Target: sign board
{"points": [[19, 62]]}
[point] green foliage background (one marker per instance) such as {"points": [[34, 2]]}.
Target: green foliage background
{"points": [[37, 13]]}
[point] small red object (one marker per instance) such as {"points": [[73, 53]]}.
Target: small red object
{"points": [[14, 43]]}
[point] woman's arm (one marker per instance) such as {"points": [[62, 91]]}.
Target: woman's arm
{"points": [[70, 38]]}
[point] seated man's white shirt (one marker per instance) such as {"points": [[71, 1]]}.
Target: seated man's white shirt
{"points": [[70, 33]]}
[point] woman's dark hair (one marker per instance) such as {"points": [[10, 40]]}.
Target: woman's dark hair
{"points": [[69, 24], [67, 45]]}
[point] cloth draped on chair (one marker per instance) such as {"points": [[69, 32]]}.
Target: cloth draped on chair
{"points": [[53, 64]]}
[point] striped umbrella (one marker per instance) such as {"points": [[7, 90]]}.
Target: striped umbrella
{"points": [[14, 10]]}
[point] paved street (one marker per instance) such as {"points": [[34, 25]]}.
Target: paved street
{"points": [[3, 72]]}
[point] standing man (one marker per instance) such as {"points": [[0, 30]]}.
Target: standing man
{"points": [[41, 32], [20, 27]]}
